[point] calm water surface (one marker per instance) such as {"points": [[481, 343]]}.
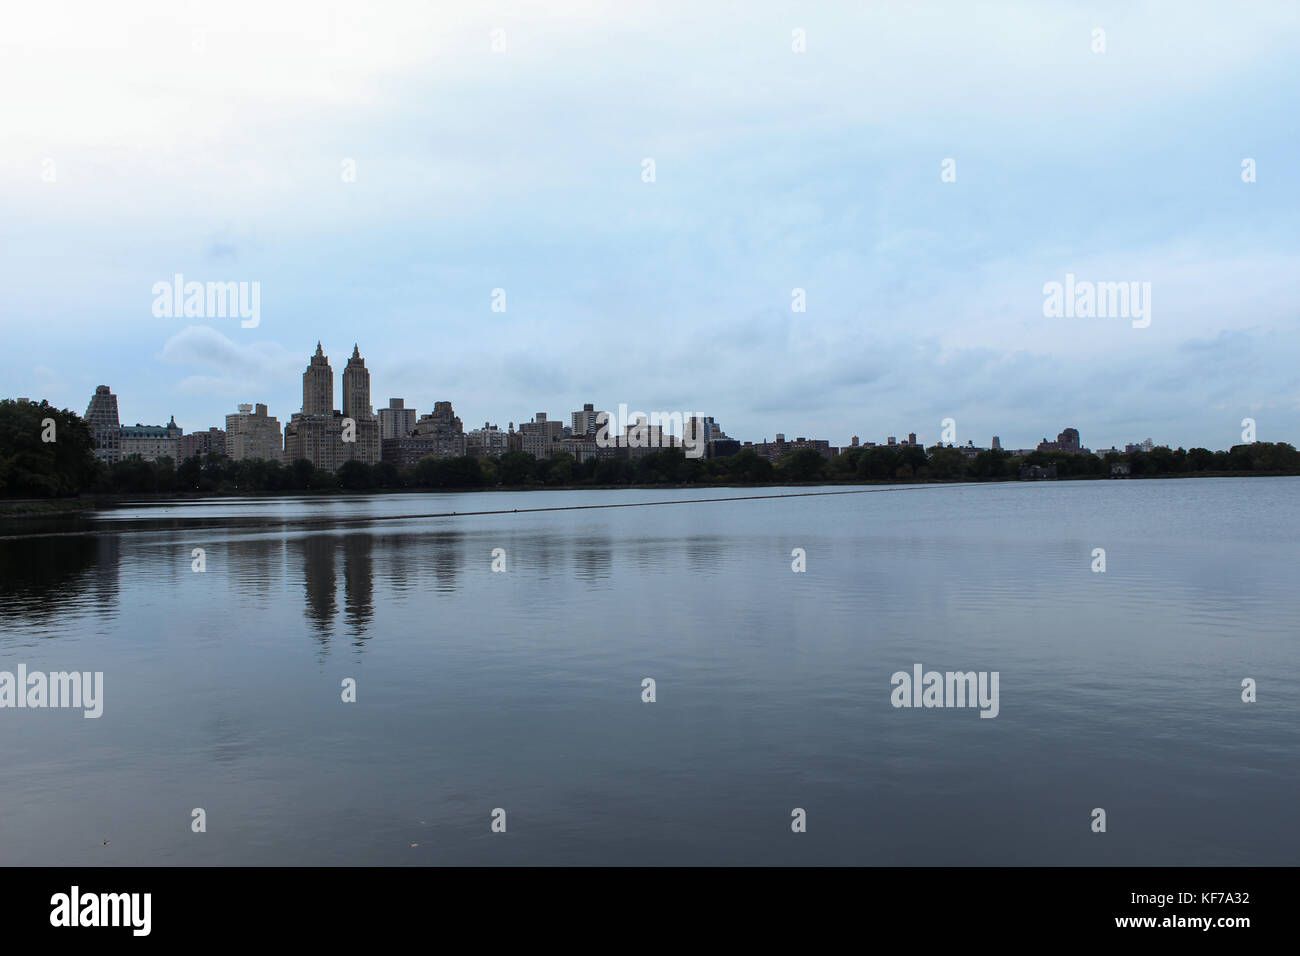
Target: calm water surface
{"points": [[522, 689]]}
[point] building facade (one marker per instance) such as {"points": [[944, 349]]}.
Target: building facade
{"points": [[540, 437], [101, 417], [488, 441], [396, 420], [202, 444], [1067, 440], [581, 446], [584, 422], [439, 434], [151, 442], [252, 433], [774, 451]]}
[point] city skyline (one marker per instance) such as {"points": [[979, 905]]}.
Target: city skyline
{"points": [[317, 403]]}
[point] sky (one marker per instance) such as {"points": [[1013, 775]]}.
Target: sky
{"points": [[920, 170]]}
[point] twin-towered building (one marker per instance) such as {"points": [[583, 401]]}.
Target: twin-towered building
{"points": [[322, 434]]}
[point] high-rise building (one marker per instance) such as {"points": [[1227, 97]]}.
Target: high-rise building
{"points": [[584, 422], [356, 389], [997, 443], [319, 433], [318, 385], [202, 444], [541, 438], [396, 420], [357, 407], [101, 417], [702, 428], [252, 433], [151, 442], [438, 435], [488, 441]]}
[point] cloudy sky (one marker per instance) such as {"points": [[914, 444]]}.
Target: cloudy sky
{"points": [[139, 140]]}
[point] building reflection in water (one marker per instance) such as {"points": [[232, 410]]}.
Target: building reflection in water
{"points": [[316, 551], [593, 558], [257, 563], [358, 585], [704, 553], [406, 562]]}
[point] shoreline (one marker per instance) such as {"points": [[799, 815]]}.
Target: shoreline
{"points": [[51, 507]]}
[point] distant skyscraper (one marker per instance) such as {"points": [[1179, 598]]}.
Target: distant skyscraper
{"points": [[396, 420], [101, 417], [253, 434], [318, 385], [356, 389], [584, 422], [319, 434], [997, 443]]}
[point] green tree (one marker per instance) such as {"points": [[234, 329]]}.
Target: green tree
{"points": [[989, 464], [355, 475], [515, 468], [946, 464], [561, 470], [805, 464], [748, 466], [31, 466], [387, 475], [189, 473]]}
